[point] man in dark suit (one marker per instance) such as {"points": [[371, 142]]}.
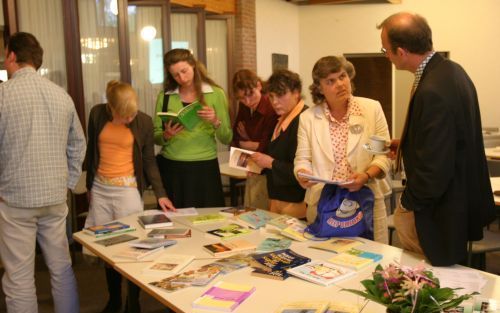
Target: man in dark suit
{"points": [[447, 200]]}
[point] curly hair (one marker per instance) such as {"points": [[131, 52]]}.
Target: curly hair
{"points": [[200, 73], [282, 81], [324, 67]]}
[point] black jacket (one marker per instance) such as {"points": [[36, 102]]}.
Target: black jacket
{"points": [[448, 184], [281, 183], [145, 167]]}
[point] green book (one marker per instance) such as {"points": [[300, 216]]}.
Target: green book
{"points": [[187, 116], [206, 218]]}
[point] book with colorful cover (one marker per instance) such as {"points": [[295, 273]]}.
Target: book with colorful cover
{"points": [[321, 272], [232, 263], [168, 264], [365, 254], [273, 244], [304, 307], [152, 243], [187, 116], [230, 231], [254, 219], [233, 211], [154, 221], [350, 261], [170, 233], [197, 277], [206, 218], [221, 249], [276, 274], [240, 159], [278, 260], [337, 245], [223, 296], [111, 228]]}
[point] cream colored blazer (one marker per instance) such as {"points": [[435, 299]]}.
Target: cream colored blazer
{"points": [[315, 152]]}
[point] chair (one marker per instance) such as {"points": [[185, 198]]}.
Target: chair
{"points": [[489, 243]]}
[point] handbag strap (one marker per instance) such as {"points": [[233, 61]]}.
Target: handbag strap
{"points": [[166, 97]]}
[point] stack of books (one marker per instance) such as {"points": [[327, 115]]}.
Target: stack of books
{"points": [[108, 229], [274, 264], [154, 221], [355, 259]]}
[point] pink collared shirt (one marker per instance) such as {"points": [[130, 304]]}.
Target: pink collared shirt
{"points": [[339, 133]]}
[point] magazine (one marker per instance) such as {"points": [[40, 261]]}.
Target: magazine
{"points": [[240, 159], [317, 179]]}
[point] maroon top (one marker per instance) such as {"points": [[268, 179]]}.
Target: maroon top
{"points": [[259, 125]]}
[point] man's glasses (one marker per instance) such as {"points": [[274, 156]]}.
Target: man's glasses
{"points": [[383, 50]]}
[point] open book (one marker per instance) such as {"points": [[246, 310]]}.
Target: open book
{"points": [[187, 116], [240, 159]]}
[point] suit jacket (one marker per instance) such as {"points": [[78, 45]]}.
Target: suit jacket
{"points": [[281, 183], [315, 151], [448, 184], [145, 167]]}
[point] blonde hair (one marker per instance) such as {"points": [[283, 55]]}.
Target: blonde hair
{"points": [[122, 98]]}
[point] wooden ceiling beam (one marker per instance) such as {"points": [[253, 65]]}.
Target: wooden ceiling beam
{"points": [[214, 6]]}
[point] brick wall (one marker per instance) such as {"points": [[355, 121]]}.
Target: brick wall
{"points": [[245, 55]]}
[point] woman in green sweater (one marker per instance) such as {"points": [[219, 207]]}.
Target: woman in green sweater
{"points": [[188, 158]]}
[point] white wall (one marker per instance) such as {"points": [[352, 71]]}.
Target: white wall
{"points": [[277, 24], [470, 30]]}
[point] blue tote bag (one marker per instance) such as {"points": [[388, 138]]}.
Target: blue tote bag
{"points": [[342, 213]]}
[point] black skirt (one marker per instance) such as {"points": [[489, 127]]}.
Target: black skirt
{"points": [[192, 183]]}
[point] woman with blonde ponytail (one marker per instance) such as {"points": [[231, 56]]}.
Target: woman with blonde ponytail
{"points": [[120, 162]]}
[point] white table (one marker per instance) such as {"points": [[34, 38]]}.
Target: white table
{"points": [[269, 294], [492, 153], [495, 185]]}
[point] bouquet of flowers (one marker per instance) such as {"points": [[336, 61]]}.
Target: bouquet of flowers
{"points": [[409, 290]]}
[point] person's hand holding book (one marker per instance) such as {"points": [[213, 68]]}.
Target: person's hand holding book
{"points": [[208, 114], [304, 181], [171, 129]]}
